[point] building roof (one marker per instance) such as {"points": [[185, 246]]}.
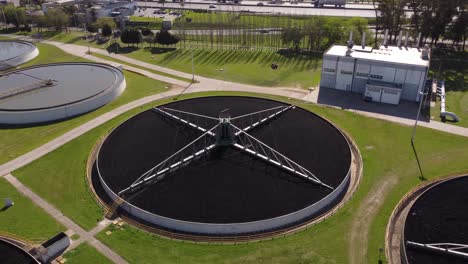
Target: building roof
{"points": [[403, 55]]}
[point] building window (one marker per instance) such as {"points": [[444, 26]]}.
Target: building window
{"points": [[346, 72], [360, 74], [375, 76], [329, 70]]}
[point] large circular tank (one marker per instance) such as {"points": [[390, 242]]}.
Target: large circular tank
{"points": [[438, 222], [50, 92], [16, 52], [10, 253], [227, 192]]}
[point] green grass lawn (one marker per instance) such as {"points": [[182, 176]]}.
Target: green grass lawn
{"points": [[140, 67], [453, 68], [386, 153], [19, 140], [243, 66], [25, 219], [157, 20], [52, 54], [85, 253]]}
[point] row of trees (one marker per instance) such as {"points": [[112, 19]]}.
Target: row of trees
{"points": [[435, 19], [135, 37], [20, 18], [268, 32]]}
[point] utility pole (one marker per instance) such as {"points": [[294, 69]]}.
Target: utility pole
{"points": [[423, 94], [193, 68]]}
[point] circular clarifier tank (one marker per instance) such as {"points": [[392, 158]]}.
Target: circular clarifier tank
{"points": [[11, 253], [228, 190], [45, 93], [436, 227], [16, 52]]}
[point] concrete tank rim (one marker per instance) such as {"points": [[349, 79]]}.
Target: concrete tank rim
{"points": [[27, 43], [432, 185], [120, 78], [4, 240]]}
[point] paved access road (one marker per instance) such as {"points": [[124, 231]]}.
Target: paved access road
{"points": [[287, 9]]}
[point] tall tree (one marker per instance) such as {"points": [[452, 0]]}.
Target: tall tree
{"points": [[131, 36], [292, 35], [106, 30], [392, 15], [56, 18]]}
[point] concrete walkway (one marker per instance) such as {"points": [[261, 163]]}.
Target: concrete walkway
{"points": [[84, 235]]}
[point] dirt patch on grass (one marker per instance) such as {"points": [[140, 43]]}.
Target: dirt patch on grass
{"points": [[363, 218]]}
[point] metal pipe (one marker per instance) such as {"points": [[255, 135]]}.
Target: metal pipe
{"points": [[386, 38], [400, 37], [406, 38], [363, 41], [419, 40]]}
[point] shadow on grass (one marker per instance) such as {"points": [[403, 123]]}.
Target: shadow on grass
{"points": [[102, 41], [451, 66], [4, 208], [116, 48], [158, 50]]}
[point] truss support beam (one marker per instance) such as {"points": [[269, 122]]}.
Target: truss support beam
{"points": [[187, 113], [161, 173], [170, 164], [20, 90], [183, 121], [255, 147], [263, 120], [443, 248]]}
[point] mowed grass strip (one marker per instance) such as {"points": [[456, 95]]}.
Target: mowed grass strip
{"points": [[15, 141], [387, 156], [85, 253], [25, 219], [140, 67], [237, 65], [242, 66]]}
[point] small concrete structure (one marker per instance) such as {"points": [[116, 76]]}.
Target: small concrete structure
{"points": [[54, 247], [400, 71]]}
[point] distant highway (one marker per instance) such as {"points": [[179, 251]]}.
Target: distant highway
{"points": [[285, 9], [351, 10]]}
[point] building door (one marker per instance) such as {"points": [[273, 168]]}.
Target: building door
{"points": [[391, 96], [344, 75]]}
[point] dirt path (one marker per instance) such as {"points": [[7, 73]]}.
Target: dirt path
{"points": [[363, 219]]}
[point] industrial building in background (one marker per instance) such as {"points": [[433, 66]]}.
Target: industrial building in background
{"points": [[387, 74]]}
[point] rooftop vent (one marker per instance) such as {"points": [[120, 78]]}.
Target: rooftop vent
{"points": [[350, 44]]}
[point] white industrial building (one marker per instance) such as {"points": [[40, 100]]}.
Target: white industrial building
{"points": [[388, 74]]}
